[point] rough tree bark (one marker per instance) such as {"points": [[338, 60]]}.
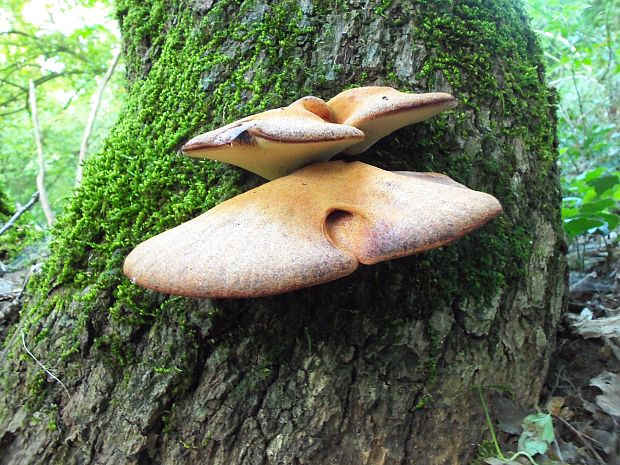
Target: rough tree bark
{"points": [[376, 368]]}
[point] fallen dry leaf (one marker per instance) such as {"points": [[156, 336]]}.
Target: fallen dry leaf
{"points": [[601, 327], [555, 404], [609, 384]]}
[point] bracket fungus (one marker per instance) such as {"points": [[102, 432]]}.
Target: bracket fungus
{"points": [[277, 142], [322, 221], [310, 227], [379, 111]]}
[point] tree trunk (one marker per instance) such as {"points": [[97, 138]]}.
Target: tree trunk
{"points": [[375, 368]]}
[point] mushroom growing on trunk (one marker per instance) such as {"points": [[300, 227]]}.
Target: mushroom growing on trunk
{"points": [[313, 226], [379, 111], [277, 142]]}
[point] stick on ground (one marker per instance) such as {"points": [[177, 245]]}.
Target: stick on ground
{"points": [[6, 226]]}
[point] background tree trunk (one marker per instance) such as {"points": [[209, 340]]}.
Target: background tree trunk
{"points": [[376, 368]]}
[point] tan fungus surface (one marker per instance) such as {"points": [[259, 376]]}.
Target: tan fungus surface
{"points": [[310, 227], [379, 111], [275, 143]]}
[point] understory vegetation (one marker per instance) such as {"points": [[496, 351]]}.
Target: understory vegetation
{"points": [[583, 63]]}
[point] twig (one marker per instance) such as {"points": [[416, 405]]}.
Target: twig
{"points": [[558, 452], [45, 205], [581, 120], [609, 44], [582, 438], [92, 115], [33, 269], [52, 375], [19, 213]]}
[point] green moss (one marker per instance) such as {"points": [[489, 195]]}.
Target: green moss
{"points": [[193, 71], [383, 6], [469, 37]]}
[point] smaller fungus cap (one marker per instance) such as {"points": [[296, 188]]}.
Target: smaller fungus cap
{"points": [[313, 226], [277, 142], [379, 111]]}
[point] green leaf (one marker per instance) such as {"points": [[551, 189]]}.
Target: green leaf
{"points": [[570, 213], [594, 174], [598, 205], [581, 225], [537, 433], [604, 183], [612, 220]]}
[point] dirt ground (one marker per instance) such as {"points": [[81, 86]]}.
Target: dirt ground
{"points": [[580, 402]]}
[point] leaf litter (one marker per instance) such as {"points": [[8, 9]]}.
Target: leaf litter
{"points": [[584, 372], [578, 421]]}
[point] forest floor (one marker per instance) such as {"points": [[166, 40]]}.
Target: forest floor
{"points": [[582, 388]]}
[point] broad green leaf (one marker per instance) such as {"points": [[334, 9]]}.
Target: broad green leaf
{"points": [[589, 195], [597, 206], [612, 220], [537, 433], [604, 183], [570, 213], [578, 226]]}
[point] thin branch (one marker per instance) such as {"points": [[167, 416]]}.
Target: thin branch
{"points": [[49, 77], [12, 112], [610, 46], [20, 33], [45, 205], [92, 115], [586, 440], [16, 96], [19, 213], [52, 375], [33, 269], [9, 83]]}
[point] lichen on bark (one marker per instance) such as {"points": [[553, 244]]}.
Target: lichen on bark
{"points": [[368, 369]]}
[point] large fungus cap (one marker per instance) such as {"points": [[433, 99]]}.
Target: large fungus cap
{"points": [[277, 142], [379, 111], [310, 227]]}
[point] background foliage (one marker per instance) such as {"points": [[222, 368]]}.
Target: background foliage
{"points": [[65, 47], [583, 63]]}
